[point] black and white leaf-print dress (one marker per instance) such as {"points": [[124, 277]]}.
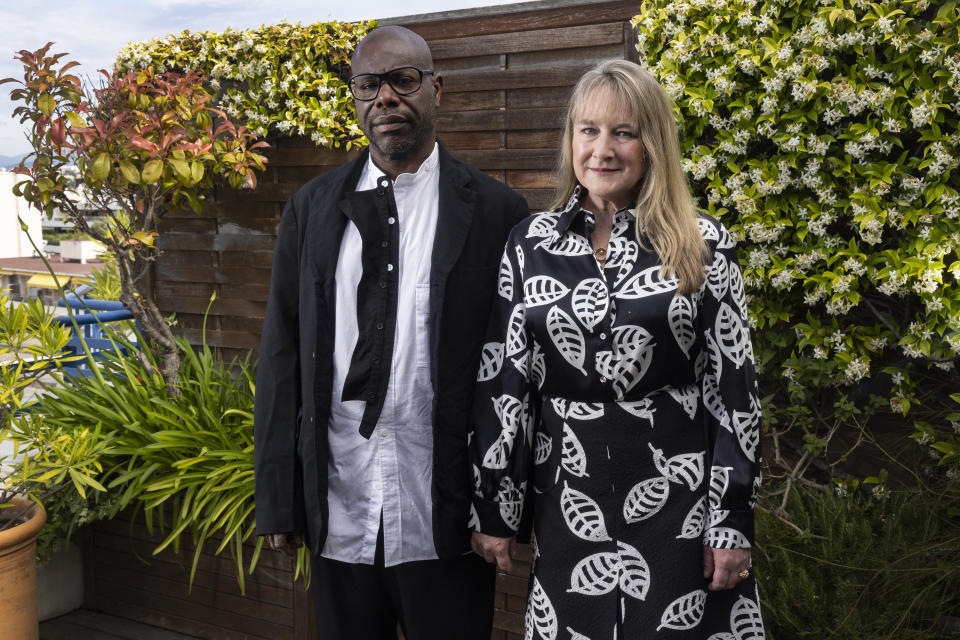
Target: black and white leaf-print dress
{"points": [[632, 414]]}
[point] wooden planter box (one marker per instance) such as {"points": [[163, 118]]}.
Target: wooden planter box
{"points": [[124, 578]]}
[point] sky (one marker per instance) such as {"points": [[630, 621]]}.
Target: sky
{"points": [[94, 31]]}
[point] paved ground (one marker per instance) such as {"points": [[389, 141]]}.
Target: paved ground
{"points": [[91, 625]]}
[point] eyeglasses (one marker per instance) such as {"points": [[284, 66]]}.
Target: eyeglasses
{"points": [[403, 80]]}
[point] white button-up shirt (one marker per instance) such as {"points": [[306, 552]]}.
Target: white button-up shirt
{"points": [[391, 473]]}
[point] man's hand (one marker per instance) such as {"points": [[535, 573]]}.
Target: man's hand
{"points": [[288, 543], [493, 549], [724, 566]]}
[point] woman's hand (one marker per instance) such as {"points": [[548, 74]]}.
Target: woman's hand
{"points": [[724, 567], [493, 549]]}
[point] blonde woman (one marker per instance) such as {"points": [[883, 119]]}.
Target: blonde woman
{"points": [[617, 390]]}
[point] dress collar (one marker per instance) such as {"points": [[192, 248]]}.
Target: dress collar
{"points": [[572, 211]]}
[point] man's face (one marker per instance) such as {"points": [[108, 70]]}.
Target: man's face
{"points": [[398, 127]]}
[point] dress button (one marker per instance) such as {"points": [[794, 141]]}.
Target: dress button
{"points": [[391, 220], [379, 326], [603, 336], [389, 267], [603, 379]]}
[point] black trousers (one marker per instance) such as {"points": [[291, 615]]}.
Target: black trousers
{"points": [[429, 599]]}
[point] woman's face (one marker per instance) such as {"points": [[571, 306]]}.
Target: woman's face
{"points": [[608, 156]]}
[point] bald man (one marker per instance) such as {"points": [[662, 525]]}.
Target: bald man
{"points": [[383, 278]]}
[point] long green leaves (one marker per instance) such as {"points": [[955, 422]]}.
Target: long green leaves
{"points": [[185, 460]]}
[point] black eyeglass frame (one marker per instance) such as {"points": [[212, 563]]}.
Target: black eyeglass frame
{"points": [[385, 77]]}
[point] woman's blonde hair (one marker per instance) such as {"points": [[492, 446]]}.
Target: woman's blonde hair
{"points": [[665, 211]]}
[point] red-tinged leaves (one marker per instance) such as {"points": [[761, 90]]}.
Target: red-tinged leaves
{"points": [[251, 179], [142, 143], [58, 132]]}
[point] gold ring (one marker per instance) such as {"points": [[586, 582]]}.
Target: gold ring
{"points": [[744, 574]]}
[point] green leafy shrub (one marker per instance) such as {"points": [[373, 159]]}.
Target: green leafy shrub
{"points": [[283, 79], [825, 135], [184, 461], [868, 567]]}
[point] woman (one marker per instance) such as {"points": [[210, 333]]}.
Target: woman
{"points": [[619, 383]]}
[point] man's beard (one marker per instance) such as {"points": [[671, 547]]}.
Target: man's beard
{"points": [[400, 148]]}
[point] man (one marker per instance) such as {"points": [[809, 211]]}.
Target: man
{"points": [[383, 278]]}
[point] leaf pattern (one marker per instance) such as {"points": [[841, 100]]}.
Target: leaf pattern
{"points": [[585, 411], [542, 225], [574, 459], [541, 616], [644, 284], [516, 331], [730, 335], [695, 521], [746, 621], [576, 636], [540, 290], [566, 337], [717, 276], [510, 499], [505, 278], [582, 515], [543, 449], [645, 499], [725, 538], [491, 359], [687, 397], [538, 367], [681, 468], [596, 574], [680, 317], [590, 302], [569, 245], [708, 230], [640, 408], [635, 576], [685, 612], [719, 481]]}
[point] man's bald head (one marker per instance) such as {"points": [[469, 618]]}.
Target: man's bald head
{"points": [[399, 39], [400, 123]]}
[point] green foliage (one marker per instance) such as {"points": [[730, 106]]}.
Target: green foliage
{"points": [[868, 567], [143, 144], [66, 464], [824, 134], [285, 79], [185, 461]]}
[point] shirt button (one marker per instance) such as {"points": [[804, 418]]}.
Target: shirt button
{"points": [[602, 379], [379, 326], [389, 267], [384, 244], [391, 220], [603, 336], [311, 419], [383, 284], [383, 433]]}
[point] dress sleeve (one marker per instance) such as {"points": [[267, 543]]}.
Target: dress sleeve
{"points": [[503, 410], [731, 402]]}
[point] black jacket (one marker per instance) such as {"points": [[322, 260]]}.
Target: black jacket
{"points": [[295, 368]]}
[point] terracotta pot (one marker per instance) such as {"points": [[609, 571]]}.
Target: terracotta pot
{"points": [[18, 574]]}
